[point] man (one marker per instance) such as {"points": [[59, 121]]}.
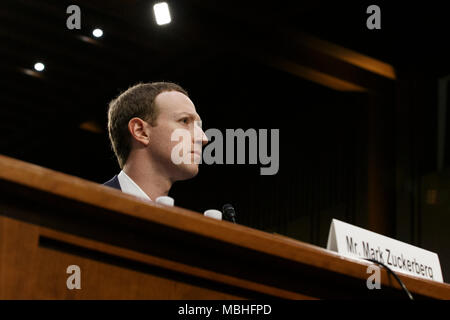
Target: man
{"points": [[141, 123]]}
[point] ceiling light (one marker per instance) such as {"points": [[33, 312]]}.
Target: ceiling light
{"points": [[162, 13], [97, 33], [39, 66]]}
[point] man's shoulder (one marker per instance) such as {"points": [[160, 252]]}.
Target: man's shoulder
{"points": [[113, 183]]}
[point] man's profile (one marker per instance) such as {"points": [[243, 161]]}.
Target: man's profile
{"points": [[141, 121]]}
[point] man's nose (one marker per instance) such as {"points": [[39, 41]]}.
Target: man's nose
{"points": [[204, 138], [200, 135]]}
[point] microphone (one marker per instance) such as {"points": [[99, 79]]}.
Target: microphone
{"points": [[229, 212]]}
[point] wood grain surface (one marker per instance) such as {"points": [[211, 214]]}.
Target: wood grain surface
{"points": [[133, 249]]}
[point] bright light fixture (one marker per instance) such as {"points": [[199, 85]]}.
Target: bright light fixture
{"points": [[39, 66], [97, 33], [162, 13]]}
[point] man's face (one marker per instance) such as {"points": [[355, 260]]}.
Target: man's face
{"points": [[176, 111]]}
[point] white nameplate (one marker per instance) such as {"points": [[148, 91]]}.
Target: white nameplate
{"points": [[350, 240]]}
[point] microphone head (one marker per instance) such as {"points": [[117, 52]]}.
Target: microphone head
{"points": [[229, 212], [227, 208]]}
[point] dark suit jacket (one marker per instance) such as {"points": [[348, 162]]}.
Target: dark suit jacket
{"points": [[113, 183]]}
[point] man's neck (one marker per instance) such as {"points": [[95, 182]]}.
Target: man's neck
{"points": [[149, 179]]}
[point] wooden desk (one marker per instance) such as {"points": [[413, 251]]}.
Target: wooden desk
{"points": [[131, 249]]}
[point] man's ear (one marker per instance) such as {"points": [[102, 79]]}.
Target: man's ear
{"points": [[139, 130]]}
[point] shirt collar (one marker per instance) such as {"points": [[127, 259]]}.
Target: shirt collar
{"points": [[129, 186]]}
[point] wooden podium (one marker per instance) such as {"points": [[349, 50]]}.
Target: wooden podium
{"points": [[131, 249]]}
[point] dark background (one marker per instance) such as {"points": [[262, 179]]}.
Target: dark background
{"points": [[367, 157]]}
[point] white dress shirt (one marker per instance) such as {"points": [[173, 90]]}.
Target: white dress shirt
{"points": [[129, 186]]}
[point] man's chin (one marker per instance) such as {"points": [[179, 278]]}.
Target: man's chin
{"points": [[187, 171]]}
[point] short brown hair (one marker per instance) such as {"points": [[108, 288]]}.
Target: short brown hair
{"points": [[137, 101]]}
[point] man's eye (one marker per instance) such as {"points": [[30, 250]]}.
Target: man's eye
{"points": [[185, 120]]}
